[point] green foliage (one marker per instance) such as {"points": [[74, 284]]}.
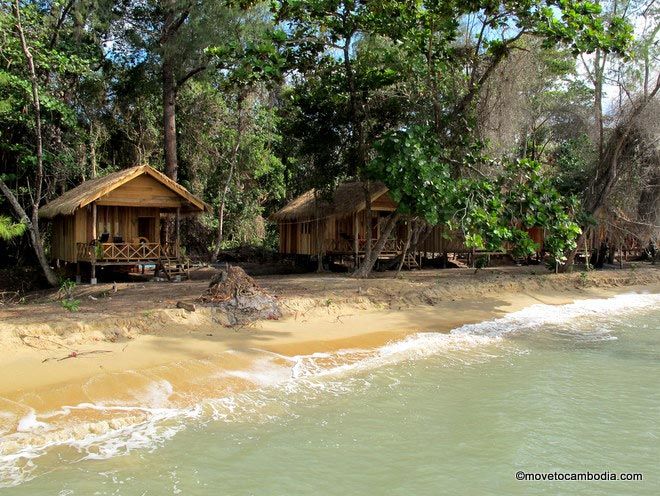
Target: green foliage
{"points": [[573, 162], [491, 213], [315, 92], [68, 302], [70, 305], [584, 279], [67, 287], [9, 229], [411, 164]]}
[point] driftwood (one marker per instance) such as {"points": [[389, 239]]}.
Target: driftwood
{"points": [[75, 354], [190, 307]]}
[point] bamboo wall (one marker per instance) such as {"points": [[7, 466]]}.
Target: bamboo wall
{"points": [[123, 221], [337, 233], [441, 240], [67, 231]]}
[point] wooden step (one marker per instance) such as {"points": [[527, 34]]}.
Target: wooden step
{"points": [[410, 261], [172, 268]]}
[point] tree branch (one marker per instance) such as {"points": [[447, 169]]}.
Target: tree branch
{"points": [[190, 74], [65, 12], [36, 199]]}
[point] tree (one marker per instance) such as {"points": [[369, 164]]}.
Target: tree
{"points": [[49, 52], [171, 39], [619, 149], [31, 222], [455, 73], [490, 213], [346, 63], [246, 69]]}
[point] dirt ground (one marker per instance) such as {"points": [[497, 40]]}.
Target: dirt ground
{"points": [[411, 288]]}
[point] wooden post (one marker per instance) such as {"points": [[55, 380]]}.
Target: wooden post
{"points": [[95, 236], [178, 230], [356, 235]]}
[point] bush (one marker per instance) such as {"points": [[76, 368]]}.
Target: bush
{"points": [[70, 305], [68, 302]]}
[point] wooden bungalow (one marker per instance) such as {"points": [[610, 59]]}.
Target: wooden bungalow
{"points": [[337, 227], [313, 224], [116, 220]]}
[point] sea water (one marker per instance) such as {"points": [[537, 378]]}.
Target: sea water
{"points": [[573, 389]]}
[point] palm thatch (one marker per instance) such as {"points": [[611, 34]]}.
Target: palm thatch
{"points": [[92, 190], [347, 199]]}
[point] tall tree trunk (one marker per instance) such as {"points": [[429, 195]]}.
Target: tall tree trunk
{"points": [[169, 118], [32, 222], [232, 168], [33, 231], [368, 265], [93, 137], [599, 72], [357, 155], [221, 208]]}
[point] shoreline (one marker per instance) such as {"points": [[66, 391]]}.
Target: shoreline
{"points": [[39, 373], [167, 365]]}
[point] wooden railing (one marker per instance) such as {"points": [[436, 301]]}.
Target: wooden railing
{"points": [[124, 252], [392, 245]]}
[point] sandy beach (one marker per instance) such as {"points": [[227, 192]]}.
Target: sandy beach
{"points": [[52, 357], [130, 357]]}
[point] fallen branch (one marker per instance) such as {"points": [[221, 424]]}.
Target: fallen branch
{"points": [[76, 354], [9, 297]]}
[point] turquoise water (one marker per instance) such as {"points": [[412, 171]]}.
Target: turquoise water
{"points": [[568, 389]]}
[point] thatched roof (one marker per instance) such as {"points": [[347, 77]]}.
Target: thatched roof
{"points": [[92, 190], [348, 198]]}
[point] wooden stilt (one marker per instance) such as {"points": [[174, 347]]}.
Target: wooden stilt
{"points": [[178, 231], [356, 243], [96, 240], [94, 233]]}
